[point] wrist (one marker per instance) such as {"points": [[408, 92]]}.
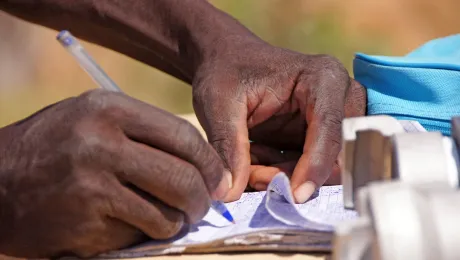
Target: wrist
{"points": [[213, 34], [7, 198], [3, 237]]}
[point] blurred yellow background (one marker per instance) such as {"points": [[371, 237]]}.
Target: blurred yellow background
{"points": [[35, 70]]}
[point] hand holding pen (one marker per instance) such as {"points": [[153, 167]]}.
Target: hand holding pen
{"points": [[88, 64]]}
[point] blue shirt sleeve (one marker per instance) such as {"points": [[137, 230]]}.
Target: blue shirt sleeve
{"points": [[423, 86]]}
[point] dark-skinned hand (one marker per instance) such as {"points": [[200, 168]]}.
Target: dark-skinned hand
{"points": [[243, 87], [267, 161], [99, 172], [282, 101]]}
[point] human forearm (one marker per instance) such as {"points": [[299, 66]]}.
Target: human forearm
{"points": [[173, 35]]}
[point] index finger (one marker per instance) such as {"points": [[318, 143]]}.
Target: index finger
{"points": [[314, 167], [157, 128], [322, 145]]}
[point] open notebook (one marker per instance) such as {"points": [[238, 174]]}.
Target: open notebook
{"points": [[265, 221]]}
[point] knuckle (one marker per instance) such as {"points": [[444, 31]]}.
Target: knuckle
{"points": [[253, 179], [203, 94], [98, 99], [88, 133], [210, 166], [199, 153], [357, 92], [222, 146], [192, 140], [330, 117], [213, 170], [193, 197], [220, 136], [317, 170], [328, 61], [171, 227], [92, 136], [330, 126], [200, 210], [93, 98], [185, 128], [199, 94], [331, 67], [356, 99]]}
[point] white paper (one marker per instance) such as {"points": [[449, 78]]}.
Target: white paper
{"points": [[321, 213], [263, 211], [259, 211], [412, 126]]}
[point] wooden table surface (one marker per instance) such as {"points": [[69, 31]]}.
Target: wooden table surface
{"points": [[264, 256], [258, 256]]}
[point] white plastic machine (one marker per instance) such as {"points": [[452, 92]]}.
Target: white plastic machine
{"points": [[405, 189]]}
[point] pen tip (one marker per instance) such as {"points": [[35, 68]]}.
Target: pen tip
{"points": [[233, 221]]}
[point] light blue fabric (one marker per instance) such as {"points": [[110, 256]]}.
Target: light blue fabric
{"points": [[424, 85]]}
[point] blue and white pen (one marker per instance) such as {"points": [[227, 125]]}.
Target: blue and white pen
{"points": [[220, 208], [88, 64]]}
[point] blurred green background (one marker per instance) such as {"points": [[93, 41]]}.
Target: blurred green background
{"points": [[36, 71]]}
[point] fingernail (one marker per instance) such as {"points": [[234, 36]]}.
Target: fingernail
{"points": [[260, 186], [224, 186], [304, 192], [228, 175]]}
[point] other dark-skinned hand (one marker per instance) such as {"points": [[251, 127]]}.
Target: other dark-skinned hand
{"points": [[267, 161], [282, 101], [99, 172]]}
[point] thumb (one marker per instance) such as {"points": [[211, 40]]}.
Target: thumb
{"points": [[223, 118]]}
